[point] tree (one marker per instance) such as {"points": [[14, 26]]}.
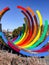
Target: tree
{"points": [[16, 32]]}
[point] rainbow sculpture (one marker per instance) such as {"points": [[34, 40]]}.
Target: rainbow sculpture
{"points": [[32, 41]]}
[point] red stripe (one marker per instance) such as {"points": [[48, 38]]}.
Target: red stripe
{"points": [[44, 49], [21, 8], [13, 47], [6, 9]]}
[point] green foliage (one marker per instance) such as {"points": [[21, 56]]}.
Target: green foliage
{"points": [[16, 32]]}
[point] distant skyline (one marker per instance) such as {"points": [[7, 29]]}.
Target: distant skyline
{"points": [[14, 18]]}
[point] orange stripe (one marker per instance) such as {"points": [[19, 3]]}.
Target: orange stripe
{"points": [[26, 40], [35, 29]]}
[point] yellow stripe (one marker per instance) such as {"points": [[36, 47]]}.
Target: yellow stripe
{"points": [[39, 32], [40, 17], [25, 33]]}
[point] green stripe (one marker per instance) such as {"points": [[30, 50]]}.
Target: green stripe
{"points": [[42, 36]]}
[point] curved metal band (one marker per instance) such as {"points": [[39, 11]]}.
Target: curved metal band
{"points": [[39, 32]]}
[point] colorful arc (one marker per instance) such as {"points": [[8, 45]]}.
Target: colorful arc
{"points": [[31, 42]]}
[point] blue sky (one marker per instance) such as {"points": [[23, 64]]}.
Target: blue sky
{"points": [[14, 18]]}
